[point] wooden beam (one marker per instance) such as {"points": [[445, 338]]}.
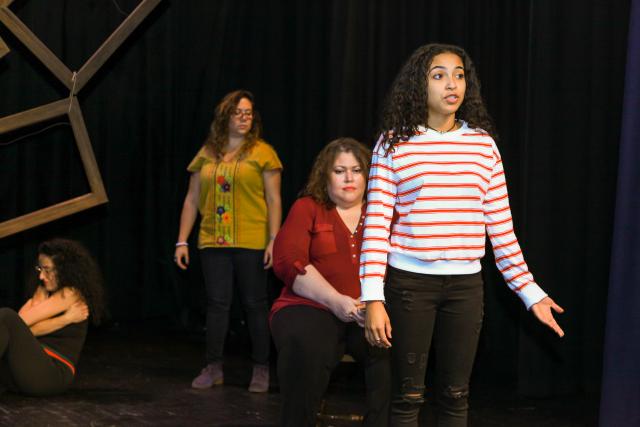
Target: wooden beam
{"points": [[4, 49], [33, 43], [114, 41], [48, 214], [33, 116], [5, 3], [86, 152], [97, 195]]}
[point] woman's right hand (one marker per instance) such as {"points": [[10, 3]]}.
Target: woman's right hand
{"points": [[77, 312], [344, 307], [377, 326], [181, 257]]}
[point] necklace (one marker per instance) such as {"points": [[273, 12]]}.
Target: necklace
{"points": [[442, 132]]}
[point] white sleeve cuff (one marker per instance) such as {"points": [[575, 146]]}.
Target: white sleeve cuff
{"points": [[372, 292], [531, 294]]}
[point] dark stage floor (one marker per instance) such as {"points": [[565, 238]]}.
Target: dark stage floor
{"points": [[134, 377]]}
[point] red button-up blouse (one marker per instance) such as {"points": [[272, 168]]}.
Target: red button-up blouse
{"points": [[313, 234]]}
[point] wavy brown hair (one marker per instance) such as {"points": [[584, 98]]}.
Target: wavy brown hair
{"points": [[219, 129], [75, 268], [318, 180], [405, 107]]}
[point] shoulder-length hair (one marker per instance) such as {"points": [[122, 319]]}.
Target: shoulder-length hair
{"points": [[405, 107], [75, 268], [318, 182], [219, 129]]}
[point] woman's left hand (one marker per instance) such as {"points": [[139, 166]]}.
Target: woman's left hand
{"points": [[543, 311], [268, 255], [77, 312]]}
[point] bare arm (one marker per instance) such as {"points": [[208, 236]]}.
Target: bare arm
{"points": [[57, 303], [272, 179], [75, 314], [38, 296], [188, 219], [315, 287]]}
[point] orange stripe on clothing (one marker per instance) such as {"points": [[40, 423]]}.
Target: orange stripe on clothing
{"points": [[442, 173], [481, 144], [506, 256], [439, 236], [60, 358], [421, 163], [439, 223], [362, 276], [444, 153], [439, 211], [438, 248]]}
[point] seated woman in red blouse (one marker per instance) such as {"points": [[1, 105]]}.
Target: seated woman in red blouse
{"points": [[318, 315]]}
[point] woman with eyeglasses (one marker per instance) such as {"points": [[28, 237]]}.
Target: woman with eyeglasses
{"points": [[235, 186], [40, 345]]}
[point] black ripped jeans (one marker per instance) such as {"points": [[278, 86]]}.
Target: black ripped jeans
{"points": [[449, 309]]}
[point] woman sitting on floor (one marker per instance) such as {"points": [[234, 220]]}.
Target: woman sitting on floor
{"points": [[316, 254], [40, 345]]}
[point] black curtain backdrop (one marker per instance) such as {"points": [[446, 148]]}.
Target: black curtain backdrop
{"points": [[552, 74]]}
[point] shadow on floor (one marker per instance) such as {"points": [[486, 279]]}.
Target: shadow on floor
{"points": [[131, 376]]}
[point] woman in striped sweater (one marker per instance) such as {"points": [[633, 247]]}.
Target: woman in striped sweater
{"points": [[436, 188]]}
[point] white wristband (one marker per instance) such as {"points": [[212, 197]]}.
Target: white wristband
{"points": [[182, 244]]}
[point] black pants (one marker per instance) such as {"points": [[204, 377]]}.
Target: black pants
{"points": [[244, 267], [310, 344], [24, 366], [449, 309]]}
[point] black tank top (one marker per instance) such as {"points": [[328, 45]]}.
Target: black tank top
{"points": [[67, 341]]}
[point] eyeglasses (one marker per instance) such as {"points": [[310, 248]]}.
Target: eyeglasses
{"points": [[239, 113], [44, 269]]}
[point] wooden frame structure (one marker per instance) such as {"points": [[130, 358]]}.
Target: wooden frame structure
{"points": [[74, 81], [97, 195]]}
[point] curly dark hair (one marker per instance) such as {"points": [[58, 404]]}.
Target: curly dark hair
{"points": [[219, 129], [318, 180], [75, 268], [405, 107]]}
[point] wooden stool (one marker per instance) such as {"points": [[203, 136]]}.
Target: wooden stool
{"points": [[323, 418]]}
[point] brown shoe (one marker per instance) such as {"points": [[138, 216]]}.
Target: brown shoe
{"points": [[259, 379]]}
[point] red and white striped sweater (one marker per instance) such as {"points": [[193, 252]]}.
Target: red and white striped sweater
{"points": [[448, 191]]}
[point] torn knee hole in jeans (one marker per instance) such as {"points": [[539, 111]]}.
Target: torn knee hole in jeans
{"points": [[412, 393], [456, 392]]}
